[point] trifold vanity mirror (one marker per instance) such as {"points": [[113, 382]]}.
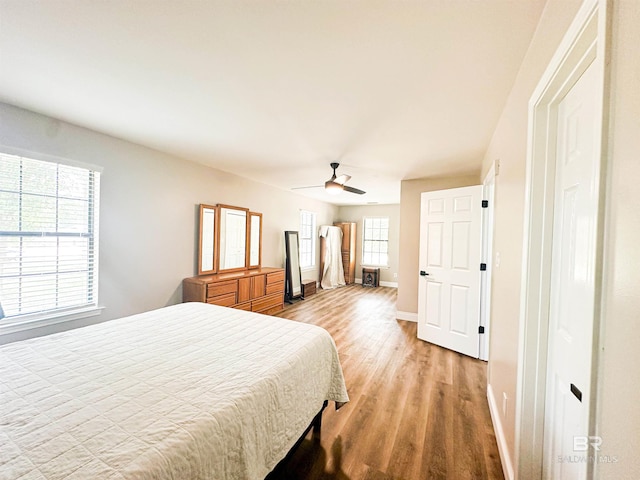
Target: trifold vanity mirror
{"points": [[232, 243], [230, 239], [208, 239]]}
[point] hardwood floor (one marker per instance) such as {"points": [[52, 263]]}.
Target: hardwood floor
{"points": [[417, 411]]}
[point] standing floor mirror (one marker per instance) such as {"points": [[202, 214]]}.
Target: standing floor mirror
{"points": [[293, 282]]}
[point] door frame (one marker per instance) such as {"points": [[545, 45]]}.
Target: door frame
{"points": [[488, 193], [585, 42]]}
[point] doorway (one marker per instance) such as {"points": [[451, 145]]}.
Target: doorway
{"points": [[562, 256]]}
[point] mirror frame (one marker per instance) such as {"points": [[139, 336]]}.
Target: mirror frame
{"points": [[290, 272], [217, 233], [249, 242], [204, 207], [246, 238]]}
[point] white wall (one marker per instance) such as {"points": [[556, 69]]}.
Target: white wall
{"points": [[509, 146], [148, 211], [356, 214], [618, 418]]}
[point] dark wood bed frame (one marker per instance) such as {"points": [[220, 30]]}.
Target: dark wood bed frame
{"points": [[316, 425]]}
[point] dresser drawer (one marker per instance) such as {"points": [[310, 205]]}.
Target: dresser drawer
{"points": [[222, 288], [268, 302], [226, 300], [275, 277], [272, 310], [258, 284], [243, 306], [275, 288], [244, 289]]}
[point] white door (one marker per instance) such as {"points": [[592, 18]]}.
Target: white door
{"points": [[566, 447], [449, 285]]}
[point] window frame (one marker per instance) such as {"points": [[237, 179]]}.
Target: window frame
{"points": [[32, 320], [311, 238], [365, 239]]}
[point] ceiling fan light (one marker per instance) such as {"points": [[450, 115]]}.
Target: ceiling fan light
{"points": [[332, 188]]}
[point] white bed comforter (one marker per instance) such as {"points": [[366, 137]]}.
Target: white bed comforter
{"points": [[191, 391]]}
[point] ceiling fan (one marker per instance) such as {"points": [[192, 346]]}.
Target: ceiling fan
{"points": [[336, 184]]}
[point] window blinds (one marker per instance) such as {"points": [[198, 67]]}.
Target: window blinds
{"points": [[48, 237]]}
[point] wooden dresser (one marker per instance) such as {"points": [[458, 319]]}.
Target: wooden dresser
{"points": [[260, 290]]}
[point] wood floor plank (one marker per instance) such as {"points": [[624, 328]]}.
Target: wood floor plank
{"points": [[409, 443], [417, 411]]}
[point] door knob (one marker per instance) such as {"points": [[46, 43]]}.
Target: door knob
{"points": [[423, 273]]}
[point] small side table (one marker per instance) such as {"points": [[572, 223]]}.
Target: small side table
{"points": [[370, 277], [308, 287]]}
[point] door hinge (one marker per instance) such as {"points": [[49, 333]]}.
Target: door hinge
{"points": [[485, 203], [483, 267], [480, 329]]}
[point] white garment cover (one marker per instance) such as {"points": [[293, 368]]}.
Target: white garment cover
{"points": [[333, 272]]}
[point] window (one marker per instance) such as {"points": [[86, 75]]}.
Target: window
{"points": [[48, 239], [375, 241], [307, 239]]}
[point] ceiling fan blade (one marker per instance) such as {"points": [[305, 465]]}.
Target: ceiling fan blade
{"points": [[342, 179], [353, 190], [310, 186]]}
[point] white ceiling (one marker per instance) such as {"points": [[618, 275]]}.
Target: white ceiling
{"points": [[275, 90]]}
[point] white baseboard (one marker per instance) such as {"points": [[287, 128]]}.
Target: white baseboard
{"points": [[505, 458], [409, 316], [382, 284]]}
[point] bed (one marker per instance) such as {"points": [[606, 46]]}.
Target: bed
{"points": [[190, 391]]}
